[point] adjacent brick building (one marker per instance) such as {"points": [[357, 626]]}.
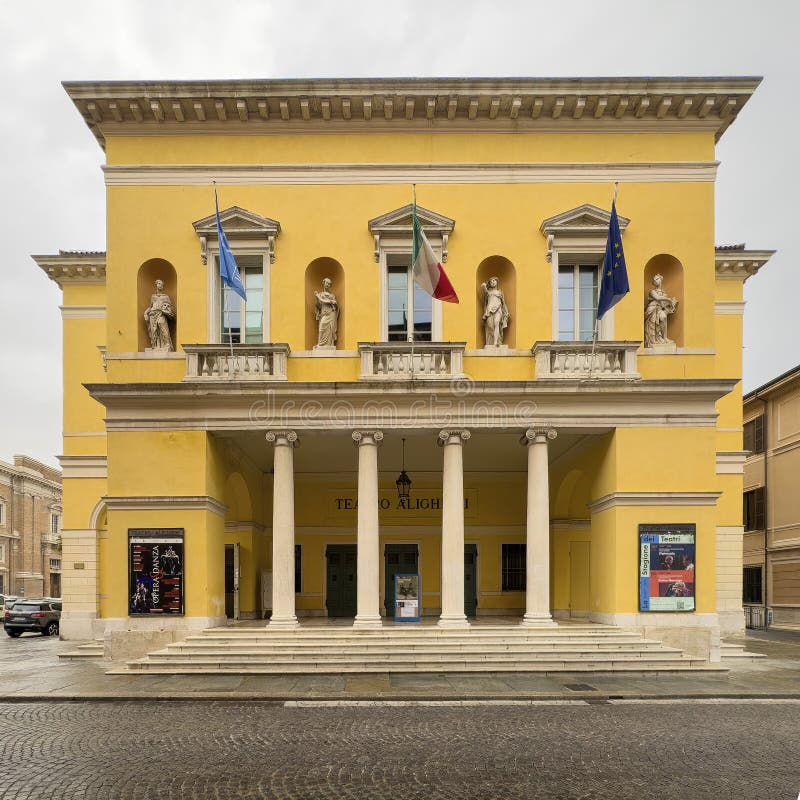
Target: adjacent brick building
{"points": [[30, 528]]}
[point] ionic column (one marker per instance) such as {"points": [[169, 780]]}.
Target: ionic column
{"points": [[537, 552], [453, 529], [368, 613], [283, 613]]}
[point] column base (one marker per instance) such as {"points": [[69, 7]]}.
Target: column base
{"points": [[283, 622], [538, 620], [455, 621], [368, 622]]}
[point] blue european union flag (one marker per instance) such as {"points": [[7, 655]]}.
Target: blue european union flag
{"points": [[614, 281], [228, 270]]}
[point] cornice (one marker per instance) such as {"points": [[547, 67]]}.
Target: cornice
{"points": [[166, 503], [405, 173], [111, 108], [231, 405], [79, 267], [740, 264], [616, 499]]}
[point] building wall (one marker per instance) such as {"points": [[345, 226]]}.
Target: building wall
{"points": [[777, 470], [30, 493]]}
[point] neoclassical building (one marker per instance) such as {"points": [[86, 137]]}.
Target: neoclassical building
{"points": [[250, 458]]}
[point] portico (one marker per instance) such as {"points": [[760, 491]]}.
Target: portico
{"points": [[451, 532]]}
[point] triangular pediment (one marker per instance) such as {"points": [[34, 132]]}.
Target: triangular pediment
{"points": [[237, 222], [399, 221], [585, 219]]}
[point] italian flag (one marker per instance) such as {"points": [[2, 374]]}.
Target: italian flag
{"points": [[428, 272]]}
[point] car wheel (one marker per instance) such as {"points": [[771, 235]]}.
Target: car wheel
{"points": [[51, 629], [14, 634]]}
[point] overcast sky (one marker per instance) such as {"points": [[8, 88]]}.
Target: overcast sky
{"points": [[52, 187]]}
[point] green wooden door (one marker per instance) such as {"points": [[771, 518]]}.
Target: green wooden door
{"points": [[341, 580], [470, 579], [402, 558]]}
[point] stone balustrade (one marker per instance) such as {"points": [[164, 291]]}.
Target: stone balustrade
{"points": [[407, 361], [575, 360], [245, 362]]}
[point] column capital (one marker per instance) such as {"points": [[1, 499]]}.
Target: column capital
{"points": [[367, 437], [453, 436], [538, 435], [283, 438]]}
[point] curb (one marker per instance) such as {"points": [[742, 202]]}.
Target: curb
{"points": [[241, 697]]}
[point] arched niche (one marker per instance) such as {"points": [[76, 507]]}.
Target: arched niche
{"points": [[316, 271], [237, 499], [152, 270], [562, 505], [501, 268], [671, 270]]}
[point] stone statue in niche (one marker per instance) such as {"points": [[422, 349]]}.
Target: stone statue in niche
{"points": [[326, 310], [659, 307], [495, 313], [157, 317]]}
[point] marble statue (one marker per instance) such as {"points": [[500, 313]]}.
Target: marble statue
{"points": [[157, 317], [659, 307], [327, 315], [495, 313]]}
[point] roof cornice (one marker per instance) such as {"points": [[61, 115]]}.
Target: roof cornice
{"points": [[74, 267], [740, 264], [518, 104]]}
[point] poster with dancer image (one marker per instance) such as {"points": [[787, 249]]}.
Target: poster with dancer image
{"points": [[155, 571], [666, 567]]}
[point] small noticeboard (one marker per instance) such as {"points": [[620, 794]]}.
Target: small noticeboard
{"points": [[406, 597], [155, 571], [666, 567]]}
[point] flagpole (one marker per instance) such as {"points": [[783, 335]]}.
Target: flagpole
{"points": [[222, 295], [597, 321]]}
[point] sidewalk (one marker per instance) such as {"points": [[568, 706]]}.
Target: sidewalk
{"points": [[30, 671]]}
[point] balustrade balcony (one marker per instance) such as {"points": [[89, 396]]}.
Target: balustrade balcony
{"points": [[243, 362], [577, 360], [411, 360]]}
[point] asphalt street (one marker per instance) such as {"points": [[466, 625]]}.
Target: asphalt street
{"points": [[308, 749]]}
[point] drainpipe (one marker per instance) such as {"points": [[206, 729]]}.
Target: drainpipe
{"points": [[765, 588]]}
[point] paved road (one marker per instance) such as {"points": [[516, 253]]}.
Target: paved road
{"points": [[165, 750]]}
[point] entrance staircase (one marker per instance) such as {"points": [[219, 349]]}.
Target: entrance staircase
{"points": [[315, 649]]}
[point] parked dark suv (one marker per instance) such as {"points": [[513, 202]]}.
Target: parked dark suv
{"points": [[38, 616]]}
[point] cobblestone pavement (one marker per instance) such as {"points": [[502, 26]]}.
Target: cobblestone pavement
{"points": [[142, 750]]}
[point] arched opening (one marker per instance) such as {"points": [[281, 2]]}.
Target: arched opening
{"points": [[501, 268], [316, 272], [156, 269], [671, 271], [237, 499]]}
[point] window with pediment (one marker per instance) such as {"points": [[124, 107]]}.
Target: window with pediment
{"points": [[231, 318], [576, 244], [408, 313]]}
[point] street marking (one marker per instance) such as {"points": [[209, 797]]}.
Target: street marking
{"points": [[599, 700], [722, 701], [449, 703]]}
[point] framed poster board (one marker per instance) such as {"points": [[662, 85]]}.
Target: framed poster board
{"points": [[666, 567], [155, 571], [406, 597]]}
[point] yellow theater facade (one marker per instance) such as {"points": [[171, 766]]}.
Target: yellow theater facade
{"points": [[249, 451]]}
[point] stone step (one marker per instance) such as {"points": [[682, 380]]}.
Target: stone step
{"points": [[734, 653], [465, 641], [433, 635], [403, 647], [89, 651], [412, 657], [192, 667], [333, 632]]}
